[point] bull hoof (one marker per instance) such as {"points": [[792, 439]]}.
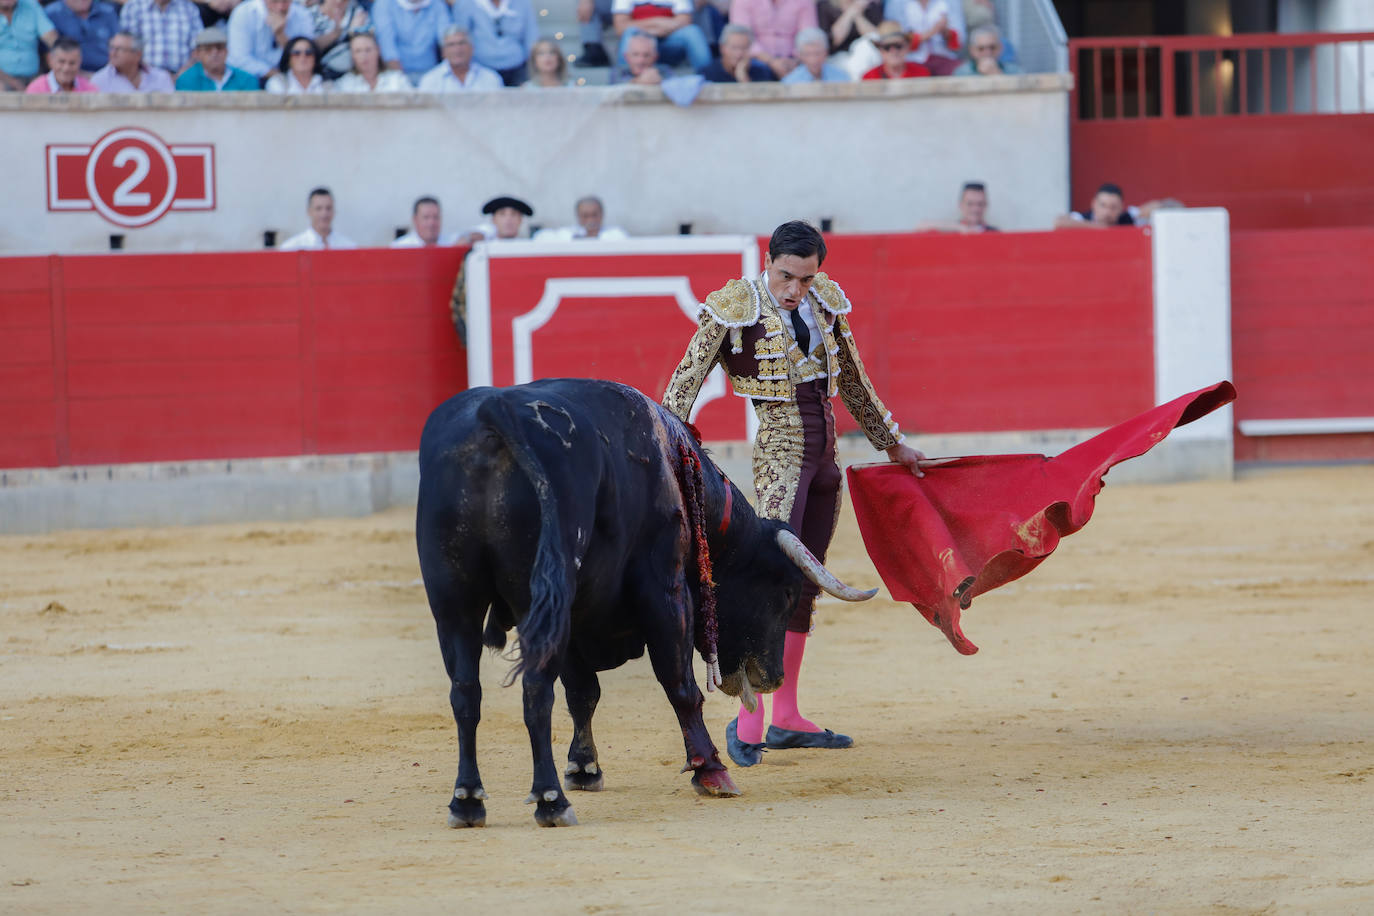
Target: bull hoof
{"points": [[467, 814], [583, 777], [552, 809], [715, 784]]}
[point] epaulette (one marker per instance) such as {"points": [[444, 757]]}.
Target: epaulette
{"points": [[734, 305], [832, 297]]}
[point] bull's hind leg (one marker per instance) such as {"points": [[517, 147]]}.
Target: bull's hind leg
{"points": [[461, 643], [583, 690], [552, 808]]}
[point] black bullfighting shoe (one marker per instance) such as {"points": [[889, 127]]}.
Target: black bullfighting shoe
{"points": [[742, 752], [780, 738]]}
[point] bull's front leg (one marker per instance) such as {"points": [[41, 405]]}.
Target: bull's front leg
{"points": [[552, 808], [670, 652], [583, 691]]}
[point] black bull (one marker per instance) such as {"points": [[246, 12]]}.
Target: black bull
{"points": [[557, 507]]}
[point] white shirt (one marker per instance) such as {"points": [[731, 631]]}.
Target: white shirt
{"points": [[442, 79], [310, 240], [569, 233], [387, 81], [411, 240], [284, 84], [920, 19]]}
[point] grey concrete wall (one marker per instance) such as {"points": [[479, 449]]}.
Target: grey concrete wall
{"points": [[872, 157]]}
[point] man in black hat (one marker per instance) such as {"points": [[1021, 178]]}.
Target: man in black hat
{"points": [[507, 214]]}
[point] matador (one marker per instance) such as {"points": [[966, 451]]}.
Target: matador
{"points": [[783, 339]]}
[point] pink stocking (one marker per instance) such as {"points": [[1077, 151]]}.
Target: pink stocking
{"points": [[750, 728], [785, 711]]}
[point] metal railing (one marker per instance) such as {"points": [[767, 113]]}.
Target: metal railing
{"points": [[1034, 30], [1215, 76]]}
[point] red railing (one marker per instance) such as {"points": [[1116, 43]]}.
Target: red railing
{"points": [[1210, 76]]}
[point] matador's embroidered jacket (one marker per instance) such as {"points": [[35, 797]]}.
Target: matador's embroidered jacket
{"points": [[765, 364]]}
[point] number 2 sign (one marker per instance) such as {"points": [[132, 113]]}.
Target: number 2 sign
{"points": [[131, 177]]}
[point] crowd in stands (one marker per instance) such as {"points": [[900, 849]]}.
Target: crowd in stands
{"points": [[304, 47], [504, 219]]}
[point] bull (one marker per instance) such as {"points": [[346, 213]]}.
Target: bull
{"points": [[563, 508]]}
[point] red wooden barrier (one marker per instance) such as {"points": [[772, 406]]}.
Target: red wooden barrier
{"points": [[1263, 125], [1302, 319]]}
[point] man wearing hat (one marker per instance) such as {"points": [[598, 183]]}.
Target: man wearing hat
{"points": [[507, 214], [211, 71], [893, 43]]}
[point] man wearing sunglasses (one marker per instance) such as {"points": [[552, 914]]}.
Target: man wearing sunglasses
{"points": [[893, 43]]}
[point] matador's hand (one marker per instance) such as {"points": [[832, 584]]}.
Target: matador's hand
{"points": [[905, 455]]}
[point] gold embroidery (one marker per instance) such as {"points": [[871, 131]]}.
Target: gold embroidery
{"points": [[734, 305], [778, 453], [703, 350], [856, 390]]}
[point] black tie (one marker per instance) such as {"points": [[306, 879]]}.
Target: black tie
{"points": [[802, 334]]}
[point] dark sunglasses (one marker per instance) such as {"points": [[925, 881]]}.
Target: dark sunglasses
{"points": [[302, 52], [893, 47]]}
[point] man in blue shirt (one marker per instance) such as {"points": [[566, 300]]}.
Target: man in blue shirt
{"points": [[813, 49], [735, 65], [22, 24], [259, 29], [410, 33], [90, 23]]}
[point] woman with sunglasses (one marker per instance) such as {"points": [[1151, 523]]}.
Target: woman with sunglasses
{"points": [[299, 70], [893, 43]]}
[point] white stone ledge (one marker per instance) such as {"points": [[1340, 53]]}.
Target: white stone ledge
{"points": [[711, 94]]}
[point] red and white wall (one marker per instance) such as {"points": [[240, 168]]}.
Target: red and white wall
{"points": [[186, 366]]}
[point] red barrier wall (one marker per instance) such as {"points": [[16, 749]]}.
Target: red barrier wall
{"points": [[1302, 331], [1277, 171], [127, 358]]}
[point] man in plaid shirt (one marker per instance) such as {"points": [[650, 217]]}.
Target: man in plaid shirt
{"points": [[166, 27]]}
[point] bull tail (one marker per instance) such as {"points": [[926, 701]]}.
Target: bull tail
{"points": [[544, 630]]}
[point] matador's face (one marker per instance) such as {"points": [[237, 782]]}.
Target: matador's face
{"points": [[790, 277]]}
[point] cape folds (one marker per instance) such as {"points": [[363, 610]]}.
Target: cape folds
{"points": [[972, 524]]}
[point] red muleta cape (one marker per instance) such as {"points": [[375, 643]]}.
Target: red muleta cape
{"points": [[972, 524]]}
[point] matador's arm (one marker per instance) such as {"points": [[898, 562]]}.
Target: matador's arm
{"points": [[703, 351], [856, 390]]}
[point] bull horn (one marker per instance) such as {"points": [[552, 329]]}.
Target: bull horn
{"points": [[806, 561]]}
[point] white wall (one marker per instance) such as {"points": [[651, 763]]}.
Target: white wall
{"points": [[871, 157]]}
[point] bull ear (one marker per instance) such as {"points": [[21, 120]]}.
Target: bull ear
{"points": [[806, 561]]}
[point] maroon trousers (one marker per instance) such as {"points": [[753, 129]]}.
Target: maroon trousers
{"points": [[817, 503]]}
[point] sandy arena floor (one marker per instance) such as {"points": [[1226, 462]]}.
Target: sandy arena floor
{"points": [[1174, 714]]}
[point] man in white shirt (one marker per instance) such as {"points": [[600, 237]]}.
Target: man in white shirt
{"points": [[459, 72], [590, 216], [319, 206], [425, 231], [259, 29]]}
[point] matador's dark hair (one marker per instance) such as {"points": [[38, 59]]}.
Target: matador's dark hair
{"points": [[797, 237]]}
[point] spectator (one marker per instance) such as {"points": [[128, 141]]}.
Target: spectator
{"points": [[641, 63], [459, 72], [334, 21], [594, 16], [669, 24], [367, 74], [64, 71], [1108, 210], [426, 227], [259, 29], [319, 207], [410, 33], [91, 23], [590, 214], [973, 209], [985, 54], [503, 34], [775, 24], [215, 12], [211, 71], [812, 51], [933, 36], [852, 26], [299, 70], [166, 29], [22, 25], [894, 43], [126, 71], [548, 69], [507, 216], [735, 64]]}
